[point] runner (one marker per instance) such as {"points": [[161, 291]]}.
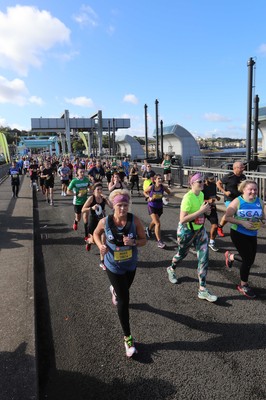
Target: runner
{"points": [[154, 194], [26, 166], [134, 178], [228, 185], [246, 214], [95, 208], [191, 230], [210, 195], [148, 177], [34, 174], [14, 177], [116, 183], [124, 233], [63, 172], [166, 164], [79, 188], [48, 176], [97, 173]]}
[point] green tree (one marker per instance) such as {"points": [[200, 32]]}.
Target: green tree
{"points": [[78, 145]]}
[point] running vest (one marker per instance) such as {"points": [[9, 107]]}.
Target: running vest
{"points": [[120, 258], [157, 196], [248, 212], [102, 204]]}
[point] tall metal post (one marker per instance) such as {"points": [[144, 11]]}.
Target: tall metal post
{"points": [[161, 124], [113, 136], [100, 131], [250, 65], [109, 137], [67, 130], [146, 131], [157, 128], [256, 125]]}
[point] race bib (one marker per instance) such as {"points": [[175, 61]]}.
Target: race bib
{"points": [[200, 220], [122, 255], [82, 192], [255, 226]]}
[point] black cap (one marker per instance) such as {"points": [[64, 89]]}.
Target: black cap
{"points": [[209, 175]]}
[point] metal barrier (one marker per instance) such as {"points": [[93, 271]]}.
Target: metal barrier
{"points": [[180, 176], [4, 172]]}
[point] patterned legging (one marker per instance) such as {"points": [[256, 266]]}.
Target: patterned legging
{"points": [[187, 237]]}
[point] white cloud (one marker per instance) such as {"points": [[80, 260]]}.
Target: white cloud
{"points": [[80, 101], [26, 33], [86, 16], [130, 98], [3, 122], [14, 91], [216, 117], [36, 100], [262, 49], [110, 30]]}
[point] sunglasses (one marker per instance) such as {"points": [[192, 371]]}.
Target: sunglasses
{"points": [[199, 181]]}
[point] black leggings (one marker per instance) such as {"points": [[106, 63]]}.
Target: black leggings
{"points": [[247, 249], [133, 182], [15, 189], [121, 285]]}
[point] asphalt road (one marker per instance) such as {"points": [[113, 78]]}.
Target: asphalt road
{"points": [[188, 348]]}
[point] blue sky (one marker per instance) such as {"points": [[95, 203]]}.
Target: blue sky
{"points": [[116, 56]]}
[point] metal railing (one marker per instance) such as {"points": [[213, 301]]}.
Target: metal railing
{"points": [[4, 172], [180, 176]]}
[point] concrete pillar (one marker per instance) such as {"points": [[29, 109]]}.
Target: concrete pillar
{"points": [[67, 130], [100, 131]]}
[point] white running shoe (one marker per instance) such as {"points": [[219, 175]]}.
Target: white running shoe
{"points": [[130, 346], [114, 298]]}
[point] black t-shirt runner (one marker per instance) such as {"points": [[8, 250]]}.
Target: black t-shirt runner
{"points": [[231, 182], [49, 172]]}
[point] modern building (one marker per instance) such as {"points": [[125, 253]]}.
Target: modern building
{"points": [[262, 127], [177, 140]]}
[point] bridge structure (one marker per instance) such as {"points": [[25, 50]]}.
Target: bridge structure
{"points": [[64, 125]]}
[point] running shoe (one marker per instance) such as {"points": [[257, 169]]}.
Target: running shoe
{"points": [[206, 295], [130, 346], [171, 275], [114, 297], [148, 232], [51, 203], [220, 231], [62, 193], [88, 247], [228, 261], [246, 291], [101, 265], [75, 226], [161, 244], [213, 247]]}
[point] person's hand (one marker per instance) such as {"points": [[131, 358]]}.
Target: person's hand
{"points": [[227, 193], [103, 249], [128, 241], [205, 208], [247, 224]]}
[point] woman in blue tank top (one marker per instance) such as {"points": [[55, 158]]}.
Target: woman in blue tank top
{"points": [[246, 214], [124, 233]]}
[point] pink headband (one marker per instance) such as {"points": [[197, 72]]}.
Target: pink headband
{"points": [[196, 177], [121, 198]]}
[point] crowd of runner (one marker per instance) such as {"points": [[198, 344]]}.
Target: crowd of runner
{"points": [[119, 234]]}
